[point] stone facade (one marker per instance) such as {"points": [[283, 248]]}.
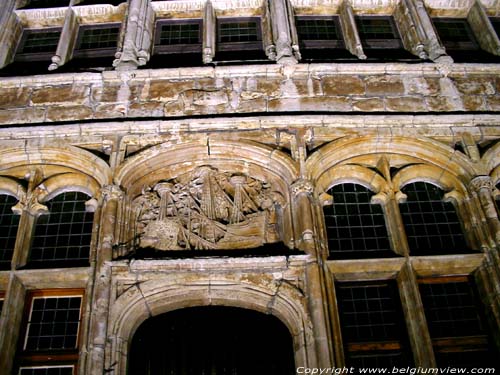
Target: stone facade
{"points": [[257, 148]]}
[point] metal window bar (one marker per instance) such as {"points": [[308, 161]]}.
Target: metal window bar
{"points": [[64, 234], [8, 230], [47, 370], [53, 323], [432, 225], [372, 324], [355, 227]]}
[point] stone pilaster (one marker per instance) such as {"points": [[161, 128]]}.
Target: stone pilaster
{"points": [[412, 32], [284, 34], [483, 30], [101, 293], [304, 235], [351, 35], [67, 41], [10, 31], [483, 186], [136, 49], [416, 323], [209, 31]]}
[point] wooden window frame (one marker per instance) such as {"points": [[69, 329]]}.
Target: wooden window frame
{"points": [[323, 43], [161, 49], [239, 46], [95, 52], [55, 357]]}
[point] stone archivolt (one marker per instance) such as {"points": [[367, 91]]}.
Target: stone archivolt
{"points": [[207, 209]]}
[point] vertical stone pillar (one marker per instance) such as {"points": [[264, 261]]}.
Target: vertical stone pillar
{"points": [[209, 31], [100, 297], [138, 36], [483, 187], [10, 31], [283, 27], [67, 40], [10, 323], [304, 228], [416, 323], [351, 36], [483, 30]]}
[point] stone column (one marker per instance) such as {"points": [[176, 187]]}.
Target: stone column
{"points": [[136, 49], [67, 40], [413, 310], [305, 239], [351, 36], [100, 298], [209, 31], [389, 200], [10, 323], [10, 31], [283, 32], [483, 30], [483, 187]]}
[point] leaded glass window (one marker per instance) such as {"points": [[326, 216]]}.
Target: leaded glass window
{"points": [[62, 237], [40, 41], [9, 222], [373, 326], [378, 32], [178, 36], [431, 224], [355, 227], [47, 370]]}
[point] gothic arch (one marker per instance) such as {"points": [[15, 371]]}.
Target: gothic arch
{"points": [[149, 299], [398, 150], [167, 161]]}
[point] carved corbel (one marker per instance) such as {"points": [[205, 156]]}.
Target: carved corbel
{"points": [[350, 31], [435, 50], [209, 25], [483, 186], [302, 191], [10, 32], [138, 36], [483, 30], [67, 41], [287, 51]]}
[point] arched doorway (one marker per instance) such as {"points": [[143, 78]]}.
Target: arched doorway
{"points": [[212, 340]]}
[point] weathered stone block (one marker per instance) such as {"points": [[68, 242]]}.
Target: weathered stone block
{"points": [[474, 85], [405, 104], [343, 85], [307, 87], [368, 104], [110, 111], [474, 103], [310, 104], [153, 109], [14, 97], [441, 103], [422, 85], [384, 86], [64, 113], [29, 115], [164, 90], [74, 94]]}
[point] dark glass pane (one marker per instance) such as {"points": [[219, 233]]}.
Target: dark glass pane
{"points": [[180, 33], [52, 370], [41, 42], [63, 235], [53, 323], [317, 29], [356, 228], [432, 225], [375, 28], [97, 38], [8, 230], [231, 32], [373, 327], [452, 30], [31, 4]]}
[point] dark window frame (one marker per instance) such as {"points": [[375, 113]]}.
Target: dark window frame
{"points": [[321, 43], [239, 46], [78, 52], [383, 43], [160, 49], [495, 23], [471, 44], [34, 56], [9, 233], [44, 367], [59, 4], [49, 357]]}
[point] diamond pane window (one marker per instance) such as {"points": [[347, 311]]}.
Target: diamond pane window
{"points": [[62, 237], [8, 230], [455, 324], [373, 327], [356, 228], [431, 224], [47, 370], [53, 323], [99, 37]]}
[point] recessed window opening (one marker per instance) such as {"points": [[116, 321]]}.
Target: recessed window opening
{"points": [[97, 40], [33, 4], [378, 32], [62, 237], [178, 36], [356, 227], [431, 224], [38, 44], [8, 230], [373, 327]]}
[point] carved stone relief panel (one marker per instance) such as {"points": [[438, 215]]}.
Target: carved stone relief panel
{"points": [[207, 209]]}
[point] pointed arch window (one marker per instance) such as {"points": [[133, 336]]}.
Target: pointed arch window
{"points": [[62, 236], [432, 225], [9, 222], [355, 226]]}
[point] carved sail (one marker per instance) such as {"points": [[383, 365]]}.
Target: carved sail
{"points": [[207, 209]]}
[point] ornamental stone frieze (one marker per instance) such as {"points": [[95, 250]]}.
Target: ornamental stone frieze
{"points": [[208, 209]]}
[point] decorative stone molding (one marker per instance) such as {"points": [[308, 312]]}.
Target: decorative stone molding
{"points": [[208, 210]]}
